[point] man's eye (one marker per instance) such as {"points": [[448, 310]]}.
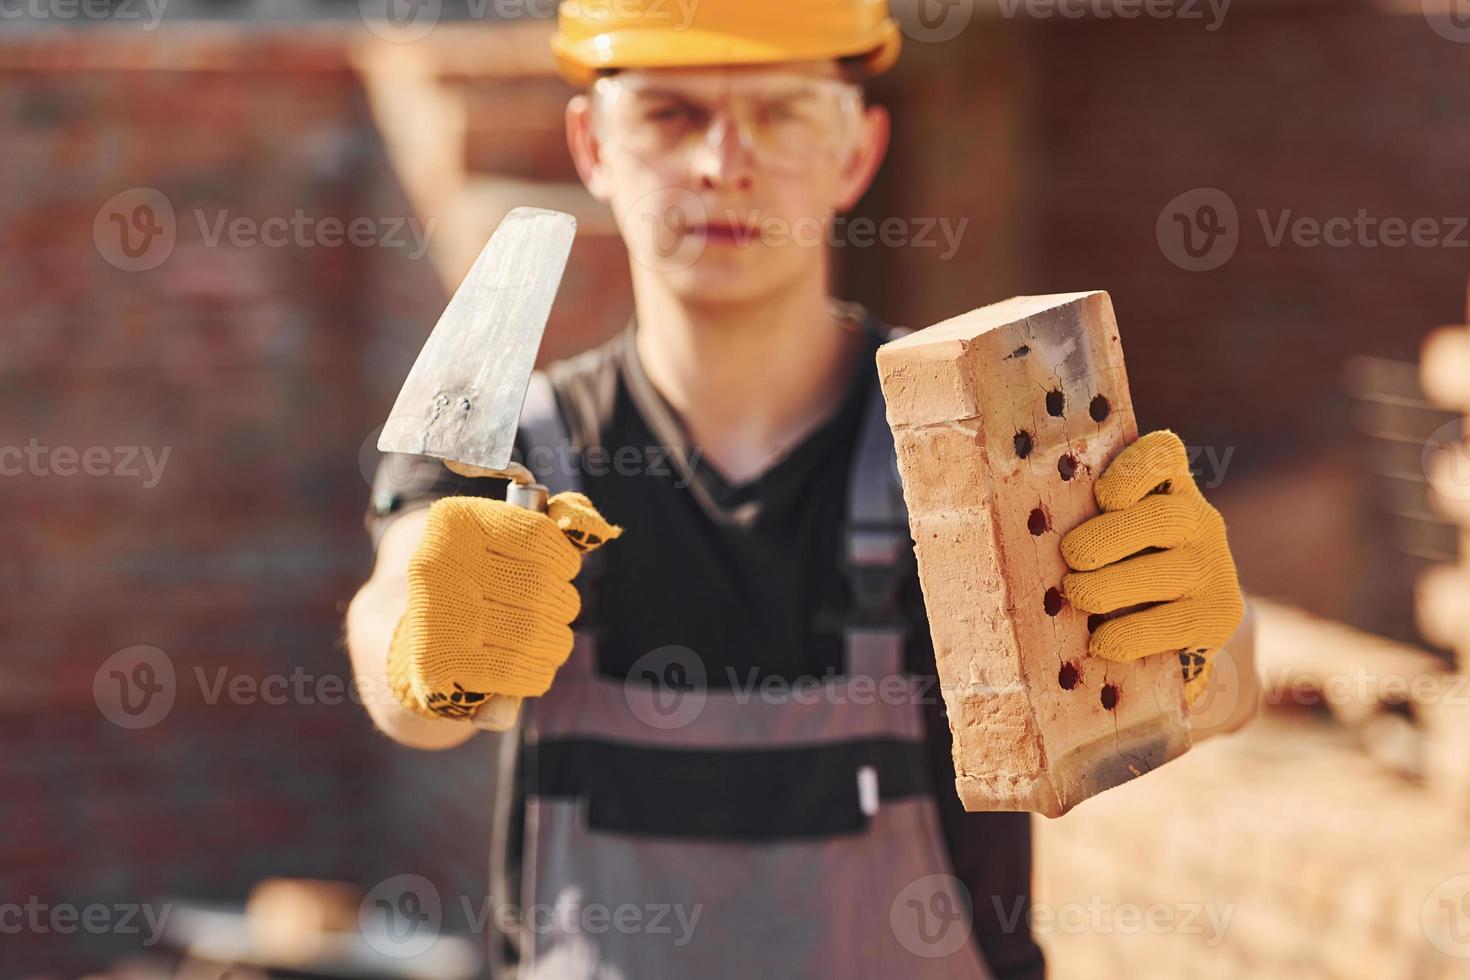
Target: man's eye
{"points": [[783, 113], [669, 114]]}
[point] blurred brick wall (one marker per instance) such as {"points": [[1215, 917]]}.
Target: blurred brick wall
{"points": [[1065, 139], [250, 365]]}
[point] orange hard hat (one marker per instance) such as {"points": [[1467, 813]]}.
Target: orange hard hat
{"points": [[602, 35]]}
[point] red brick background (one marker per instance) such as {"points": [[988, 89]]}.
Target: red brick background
{"points": [[263, 371]]}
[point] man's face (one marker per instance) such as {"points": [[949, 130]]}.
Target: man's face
{"points": [[724, 180]]}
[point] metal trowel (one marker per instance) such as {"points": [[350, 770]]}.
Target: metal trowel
{"points": [[462, 400]]}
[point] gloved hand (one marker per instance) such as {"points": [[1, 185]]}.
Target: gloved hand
{"points": [[1151, 504], [490, 601]]}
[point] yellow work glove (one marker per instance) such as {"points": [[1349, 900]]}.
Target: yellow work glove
{"points": [[1186, 576], [490, 601]]}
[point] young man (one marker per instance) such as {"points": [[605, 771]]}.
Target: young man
{"points": [[721, 747]]}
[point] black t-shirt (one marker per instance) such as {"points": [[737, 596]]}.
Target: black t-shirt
{"points": [[749, 575]]}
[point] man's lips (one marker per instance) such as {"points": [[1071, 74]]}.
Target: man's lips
{"points": [[722, 232]]}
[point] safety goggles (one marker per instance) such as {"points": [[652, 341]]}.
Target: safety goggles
{"points": [[787, 122]]}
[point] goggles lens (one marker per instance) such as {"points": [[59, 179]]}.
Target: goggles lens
{"points": [[787, 122]]}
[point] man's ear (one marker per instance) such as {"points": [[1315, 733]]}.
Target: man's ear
{"points": [[865, 158], [586, 151]]}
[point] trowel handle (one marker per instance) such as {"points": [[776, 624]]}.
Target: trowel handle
{"points": [[498, 714]]}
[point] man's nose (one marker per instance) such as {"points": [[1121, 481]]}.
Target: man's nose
{"points": [[726, 158]]}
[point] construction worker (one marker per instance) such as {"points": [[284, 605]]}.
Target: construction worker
{"points": [[732, 726]]}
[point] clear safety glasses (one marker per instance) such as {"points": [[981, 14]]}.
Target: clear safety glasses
{"points": [[787, 122]]}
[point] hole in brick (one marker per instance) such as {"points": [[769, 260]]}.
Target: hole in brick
{"points": [[1094, 621], [1038, 523], [1068, 677], [1021, 351], [1067, 466], [1056, 403], [1099, 408], [1023, 444], [1109, 696], [1052, 601]]}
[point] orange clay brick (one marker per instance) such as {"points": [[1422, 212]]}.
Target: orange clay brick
{"points": [[1003, 419]]}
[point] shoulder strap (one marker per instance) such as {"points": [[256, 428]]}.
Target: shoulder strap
{"points": [[878, 547], [556, 460], [877, 517], [550, 454], [586, 386]]}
